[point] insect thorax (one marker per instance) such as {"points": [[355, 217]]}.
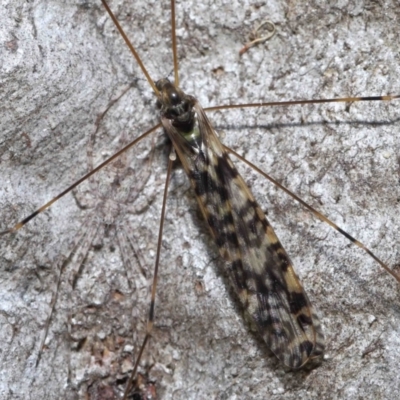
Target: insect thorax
{"points": [[176, 106]]}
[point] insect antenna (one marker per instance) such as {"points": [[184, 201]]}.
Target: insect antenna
{"points": [[135, 53], [131, 48], [174, 46]]}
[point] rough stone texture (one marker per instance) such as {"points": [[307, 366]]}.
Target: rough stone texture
{"points": [[62, 62]]}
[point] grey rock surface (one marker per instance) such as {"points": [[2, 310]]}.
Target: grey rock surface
{"points": [[62, 63]]}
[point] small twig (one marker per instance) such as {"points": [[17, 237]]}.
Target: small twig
{"points": [[255, 37]]}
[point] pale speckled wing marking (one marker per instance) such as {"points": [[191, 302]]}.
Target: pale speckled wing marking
{"points": [[258, 265]]}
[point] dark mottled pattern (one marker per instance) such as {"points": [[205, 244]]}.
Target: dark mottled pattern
{"points": [[259, 267]]}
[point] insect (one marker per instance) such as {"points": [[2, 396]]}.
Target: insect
{"points": [[300, 249]]}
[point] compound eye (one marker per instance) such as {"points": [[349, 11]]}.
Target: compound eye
{"points": [[174, 98]]}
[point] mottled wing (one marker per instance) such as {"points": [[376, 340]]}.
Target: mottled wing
{"points": [[259, 267]]}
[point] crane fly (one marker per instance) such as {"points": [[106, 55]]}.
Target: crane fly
{"points": [[259, 117]]}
